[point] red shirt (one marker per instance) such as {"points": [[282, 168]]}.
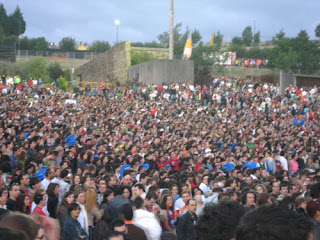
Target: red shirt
{"points": [[38, 210]]}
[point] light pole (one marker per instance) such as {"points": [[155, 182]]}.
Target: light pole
{"points": [[171, 41], [117, 22]]}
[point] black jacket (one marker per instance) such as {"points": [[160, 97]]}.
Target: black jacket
{"points": [[186, 227]]}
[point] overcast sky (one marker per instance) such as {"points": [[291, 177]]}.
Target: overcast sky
{"points": [[144, 20]]}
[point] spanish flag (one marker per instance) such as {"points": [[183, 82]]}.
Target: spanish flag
{"points": [[188, 47]]}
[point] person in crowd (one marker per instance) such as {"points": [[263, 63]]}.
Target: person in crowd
{"points": [[40, 201], [146, 219], [53, 191], [313, 209], [220, 221], [134, 232], [62, 212], [166, 206], [22, 204], [116, 203], [14, 191], [274, 222], [80, 198], [72, 228], [186, 224], [93, 213]]}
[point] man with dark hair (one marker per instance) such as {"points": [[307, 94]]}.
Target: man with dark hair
{"points": [[116, 203], [40, 201], [34, 185], [143, 178], [64, 186], [274, 223], [119, 226], [275, 188], [219, 222], [23, 182], [146, 219], [47, 180], [150, 201], [14, 191], [283, 191], [315, 190], [139, 191], [134, 232], [186, 224]]}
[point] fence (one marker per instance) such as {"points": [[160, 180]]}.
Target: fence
{"points": [[57, 54]]}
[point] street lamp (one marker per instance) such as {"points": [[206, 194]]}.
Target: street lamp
{"points": [[117, 22]]}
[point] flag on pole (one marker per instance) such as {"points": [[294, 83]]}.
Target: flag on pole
{"points": [[212, 39], [188, 47]]}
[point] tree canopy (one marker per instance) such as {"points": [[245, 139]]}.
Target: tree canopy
{"points": [[67, 44]]}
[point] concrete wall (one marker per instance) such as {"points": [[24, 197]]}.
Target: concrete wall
{"points": [[110, 66], [159, 53], [160, 71], [285, 80]]}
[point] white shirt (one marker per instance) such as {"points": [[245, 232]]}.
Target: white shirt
{"points": [[179, 204], [204, 188], [45, 183], [64, 187]]}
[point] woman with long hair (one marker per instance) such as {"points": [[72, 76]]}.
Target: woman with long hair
{"points": [[92, 209], [53, 199], [166, 206], [127, 193], [22, 204], [62, 213], [107, 197]]}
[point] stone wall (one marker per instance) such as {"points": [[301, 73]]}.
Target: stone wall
{"points": [[285, 80], [159, 71], [160, 53], [110, 66]]}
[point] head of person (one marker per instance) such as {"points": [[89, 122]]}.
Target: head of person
{"points": [[274, 223], [185, 196], [20, 222], [40, 200], [127, 211], [139, 203], [249, 198], [166, 202], [34, 183], [116, 236], [103, 188], [80, 197], [284, 189], [220, 221], [11, 234], [263, 199], [108, 196], [67, 199], [14, 191], [260, 188], [127, 181], [151, 199], [138, 189], [126, 193], [313, 209], [53, 189], [118, 225], [23, 180], [74, 210], [22, 203], [192, 206], [276, 187]]}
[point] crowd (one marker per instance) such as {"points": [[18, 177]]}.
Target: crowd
{"points": [[232, 160]]}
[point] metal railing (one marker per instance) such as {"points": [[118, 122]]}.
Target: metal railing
{"points": [[86, 55]]}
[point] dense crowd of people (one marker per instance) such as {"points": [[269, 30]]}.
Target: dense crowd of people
{"points": [[232, 160]]}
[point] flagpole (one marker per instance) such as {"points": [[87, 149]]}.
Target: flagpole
{"points": [[171, 42]]}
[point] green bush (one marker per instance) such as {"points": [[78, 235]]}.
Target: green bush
{"points": [[62, 83], [34, 68], [141, 57], [55, 71]]}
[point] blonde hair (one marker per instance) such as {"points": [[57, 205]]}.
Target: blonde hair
{"points": [[91, 199]]}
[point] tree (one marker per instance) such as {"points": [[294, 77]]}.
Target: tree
{"points": [[317, 31], [41, 44], [279, 36], [55, 71], [237, 41], [3, 19], [35, 68], [296, 54], [99, 46], [16, 24], [218, 39], [67, 44], [247, 36], [256, 38]]}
